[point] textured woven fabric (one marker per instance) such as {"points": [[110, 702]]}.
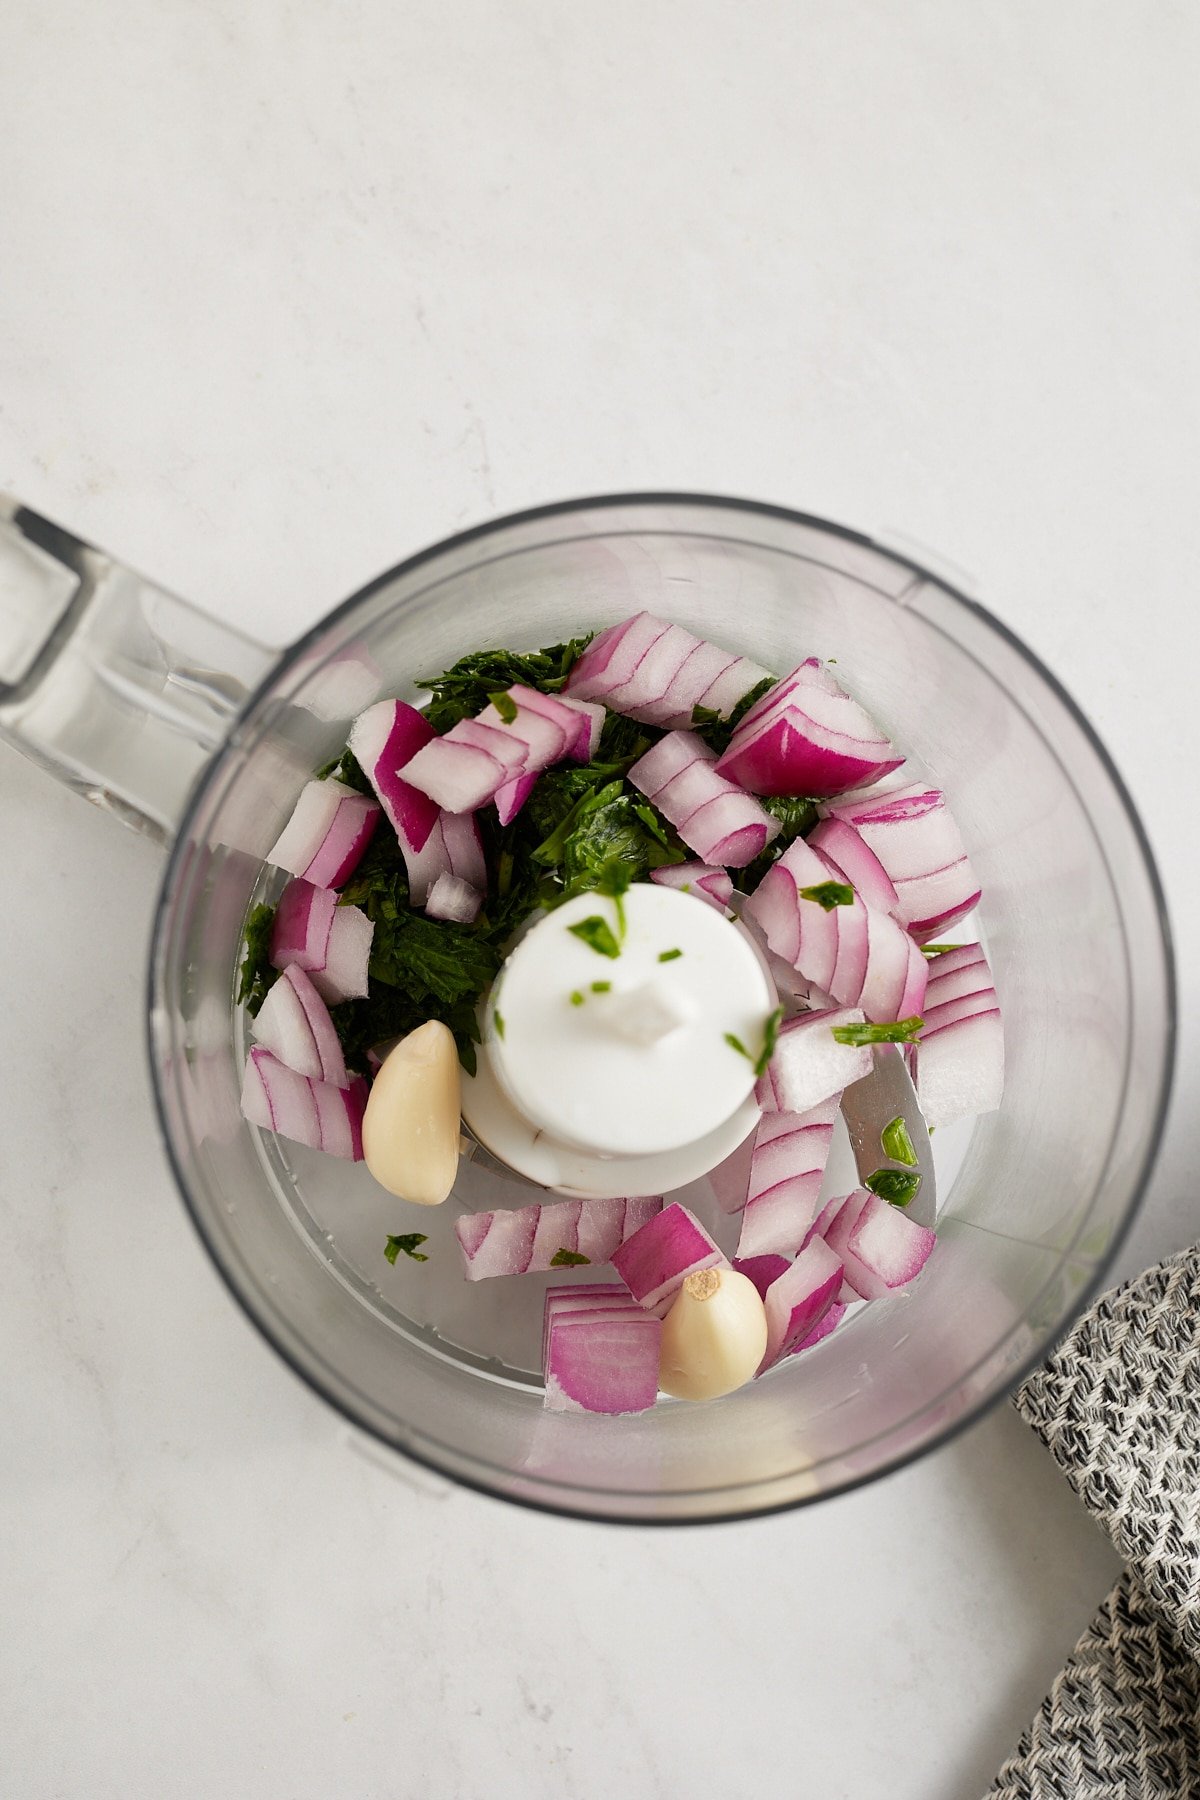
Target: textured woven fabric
{"points": [[1122, 1721], [1118, 1407]]}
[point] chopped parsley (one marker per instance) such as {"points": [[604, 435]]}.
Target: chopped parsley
{"points": [[568, 1259], [466, 689], [578, 997], [256, 974], [897, 1186], [597, 934], [408, 1244], [829, 894], [498, 1022], [735, 1043], [717, 731], [602, 987], [904, 1031], [896, 1142], [505, 705], [939, 949], [669, 955], [770, 1038]]}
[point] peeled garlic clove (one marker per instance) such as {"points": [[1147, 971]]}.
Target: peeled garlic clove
{"points": [[714, 1336], [411, 1125]]}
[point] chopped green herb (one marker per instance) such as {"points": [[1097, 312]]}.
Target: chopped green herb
{"points": [[717, 731], [905, 1031], [347, 769], [939, 949], [896, 1186], [602, 987], [498, 1022], [669, 955], [735, 1043], [256, 974], [770, 1038], [408, 1244], [568, 1259], [505, 705], [577, 997], [597, 934], [705, 715], [829, 894], [465, 689], [896, 1142]]}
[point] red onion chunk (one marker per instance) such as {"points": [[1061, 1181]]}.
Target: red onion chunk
{"points": [[786, 1170], [450, 898], [857, 955], [303, 926], [344, 976], [654, 1262], [701, 879], [843, 846], [383, 740], [603, 1361], [806, 736], [526, 1240], [586, 741], [913, 835], [513, 795], [960, 1068], [586, 1297], [511, 752], [458, 775], [762, 1270], [798, 1300], [327, 833], [293, 1023], [308, 1112], [809, 1065], [658, 672], [731, 1177], [454, 847], [881, 1248], [497, 1243], [712, 816], [830, 1322]]}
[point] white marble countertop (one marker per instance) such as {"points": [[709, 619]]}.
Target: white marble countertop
{"points": [[293, 290]]}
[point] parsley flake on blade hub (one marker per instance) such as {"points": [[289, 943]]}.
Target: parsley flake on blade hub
{"points": [[897, 1186], [896, 1142], [904, 1031], [829, 894], [568, 1259], [597, 934]]}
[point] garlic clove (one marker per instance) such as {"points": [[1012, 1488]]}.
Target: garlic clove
{"points": [[714, 1337], [410, 1130]]}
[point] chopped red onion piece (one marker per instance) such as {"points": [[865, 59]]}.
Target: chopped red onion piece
{"points": [[806, 736], [712, 816], [762, 1270], [654, 1262], [960, 1055], [344, 976], [809, 1065], [383, 740], [842, 845], [526, 1240], [450, 898], [857, 955], [786, 1170], [327, 833], [798, 1300], [294, 1024], [702, 879], [308, 1112], [581, 1297], [455, 773], [914, 837], [659, 672], [832, 1319], [603, 1360], [454, 847], [880, 1247], [513, 795], [303, 926], [586, 741]]}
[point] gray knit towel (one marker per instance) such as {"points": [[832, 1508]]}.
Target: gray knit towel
{"points": [[1118, 1407]]}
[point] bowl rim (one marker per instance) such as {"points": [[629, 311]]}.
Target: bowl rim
{"points": [[717, 503]]}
